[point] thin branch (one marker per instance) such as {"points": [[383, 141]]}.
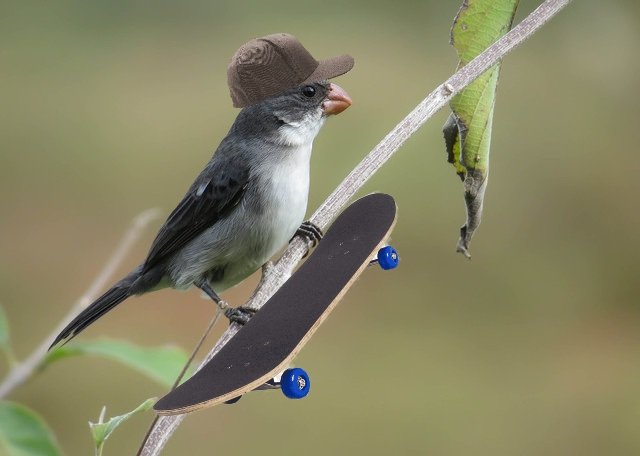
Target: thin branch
{"points": [[22, 371], [278, 274]]}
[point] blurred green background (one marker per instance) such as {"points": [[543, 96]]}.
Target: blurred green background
{"points": [[532, 347]]}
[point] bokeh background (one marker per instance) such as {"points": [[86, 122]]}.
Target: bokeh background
{"points": [[532, 347]]}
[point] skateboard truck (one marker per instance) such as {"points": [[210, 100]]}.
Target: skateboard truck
{"points": [[294, 383]]}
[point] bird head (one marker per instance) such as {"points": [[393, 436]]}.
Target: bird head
{"points": [[320, 98], [301, 111]]}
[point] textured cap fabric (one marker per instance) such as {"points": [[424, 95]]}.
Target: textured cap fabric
{"points": [[270, 65]]}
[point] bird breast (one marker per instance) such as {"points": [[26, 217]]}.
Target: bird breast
{"points": [[286, 187]]}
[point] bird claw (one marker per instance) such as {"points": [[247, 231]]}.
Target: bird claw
{"points": [[311, 233], [240, 315]]}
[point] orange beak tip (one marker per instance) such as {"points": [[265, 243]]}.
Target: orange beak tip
{"points": [[337, 100]]}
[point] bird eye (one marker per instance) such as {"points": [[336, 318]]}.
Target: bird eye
{"points": [[308, 91]]}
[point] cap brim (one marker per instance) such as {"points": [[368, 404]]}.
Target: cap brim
{"points": [[331, 68]]}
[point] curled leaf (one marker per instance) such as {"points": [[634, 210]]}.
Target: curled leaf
{"points": [[467, 132]]}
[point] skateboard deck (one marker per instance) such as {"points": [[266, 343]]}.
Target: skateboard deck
{"points": [[279, 330]]}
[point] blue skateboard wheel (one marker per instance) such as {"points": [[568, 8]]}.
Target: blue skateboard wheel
{"points": [[388, 258], [295, 383]]}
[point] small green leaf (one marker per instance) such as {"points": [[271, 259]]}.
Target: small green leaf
{"points": [[162, 364], [101, 430], [24, 433], [467, 132]]}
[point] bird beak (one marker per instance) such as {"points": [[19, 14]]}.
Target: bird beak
{"points": [[337, 101]]}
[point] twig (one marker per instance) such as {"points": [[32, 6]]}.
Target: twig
{"points": [[23, 370], [166, 425]]}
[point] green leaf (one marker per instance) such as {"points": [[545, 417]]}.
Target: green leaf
{"points": [[101, 430], [467, 132], [162, 364], [24, 433]]}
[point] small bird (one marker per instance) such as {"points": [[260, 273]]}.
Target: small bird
{"points": [[246, 204]]}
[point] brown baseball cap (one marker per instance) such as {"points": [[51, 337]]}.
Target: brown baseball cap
{"points": [[267, 66]]}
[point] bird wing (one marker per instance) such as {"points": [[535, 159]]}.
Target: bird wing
{"points": [[214, 193]]}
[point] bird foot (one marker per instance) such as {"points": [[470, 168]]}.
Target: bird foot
{"points": [[311, 233], [240, 315]]}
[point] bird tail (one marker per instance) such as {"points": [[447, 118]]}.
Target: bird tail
{"points": [[114, 296]]}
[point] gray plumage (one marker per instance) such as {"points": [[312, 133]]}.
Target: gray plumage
{"points": [[242, 208]]}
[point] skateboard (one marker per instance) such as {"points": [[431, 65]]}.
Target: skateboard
{"points": [[257, 356]]}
